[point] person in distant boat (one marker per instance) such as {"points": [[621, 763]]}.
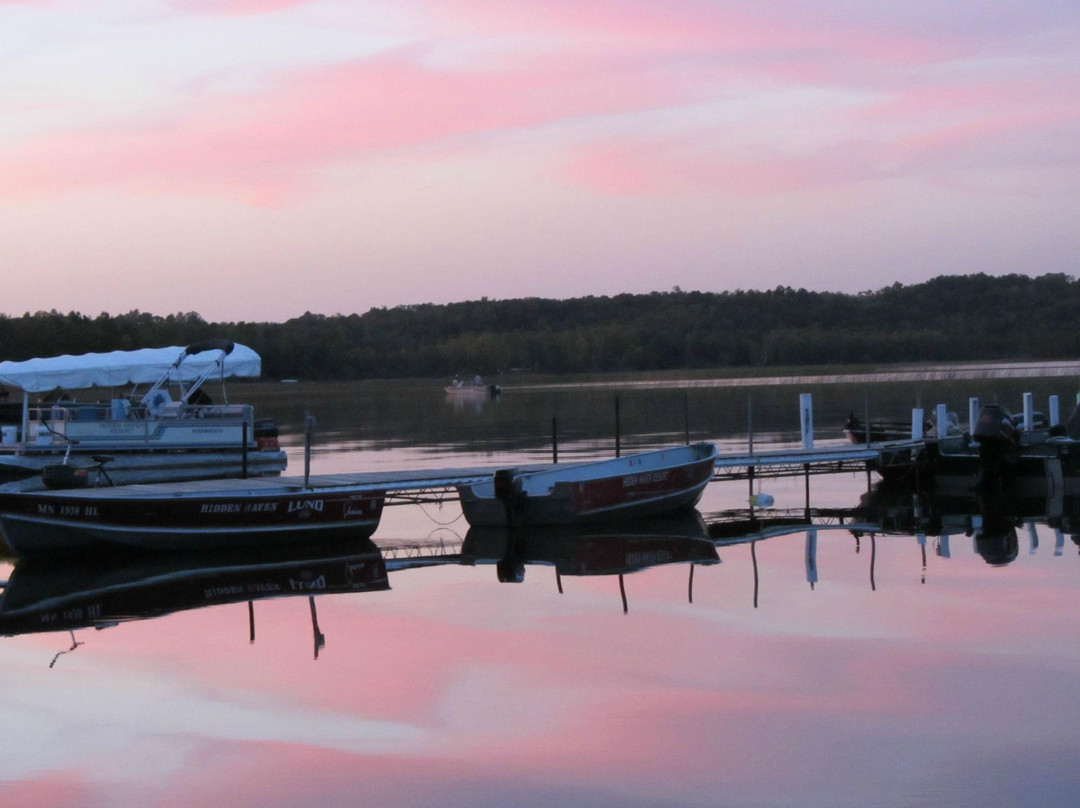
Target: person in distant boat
{"points": [[478, 381]]}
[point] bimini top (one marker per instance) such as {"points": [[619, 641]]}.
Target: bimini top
{"points": [[119, 368]]}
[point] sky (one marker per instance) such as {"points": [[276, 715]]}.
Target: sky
{"points": [[258, 159]]}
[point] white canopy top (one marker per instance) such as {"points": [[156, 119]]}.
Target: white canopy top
{"points": [[120, 368]]}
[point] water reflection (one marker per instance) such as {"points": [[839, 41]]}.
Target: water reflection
{"points": [[65, 594], [613, 551]]}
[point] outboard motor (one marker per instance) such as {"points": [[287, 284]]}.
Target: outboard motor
{"points": [[998, 438], [995, 425]]}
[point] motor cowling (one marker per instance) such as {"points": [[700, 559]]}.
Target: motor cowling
{"points": [[995, 425]]}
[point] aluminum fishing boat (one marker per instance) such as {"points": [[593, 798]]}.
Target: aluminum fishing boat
{"points": [[632, 486]]}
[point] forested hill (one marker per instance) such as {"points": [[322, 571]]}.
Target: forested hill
{"points": [[973, 317]]}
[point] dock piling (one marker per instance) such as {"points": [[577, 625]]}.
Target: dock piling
{"points": [[806, 419]]}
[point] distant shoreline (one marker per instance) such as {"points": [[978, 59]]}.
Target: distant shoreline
{"points": [[905, 373]]}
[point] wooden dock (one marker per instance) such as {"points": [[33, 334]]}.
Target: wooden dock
{"points": [[440, 484]]}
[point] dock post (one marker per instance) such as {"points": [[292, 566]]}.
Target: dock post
{"points": [[806, 419], [973, 414], [750, 421], [811, 557], [686, 416], [1055, 411], [942, 421], [618, 429], [554, 439], [1029, 411], [243, 450], [917, 423], [866, 418], [309, 427], [753, 558]]}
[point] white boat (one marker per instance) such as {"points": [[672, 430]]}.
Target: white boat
{"points": [[472, 387], [637, 485], [172, 431]]}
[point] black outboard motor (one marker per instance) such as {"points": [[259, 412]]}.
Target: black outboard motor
{"points": [[998, 438], [995, 424], [998, 544]]}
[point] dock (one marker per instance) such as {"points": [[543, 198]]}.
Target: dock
{"points": [[439, 485]]}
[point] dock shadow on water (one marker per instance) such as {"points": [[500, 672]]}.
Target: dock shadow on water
{"points": [[863, 643]]}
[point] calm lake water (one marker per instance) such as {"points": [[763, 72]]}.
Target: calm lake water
{"points": [[825, 667]]}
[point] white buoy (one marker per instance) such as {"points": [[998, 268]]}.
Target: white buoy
{"points": [[917, 424], [762, 501], [806, 419]]}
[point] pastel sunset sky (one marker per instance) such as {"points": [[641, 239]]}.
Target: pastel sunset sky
{"points": [[256, 159]]}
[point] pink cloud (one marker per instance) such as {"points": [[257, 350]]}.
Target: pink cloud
{"points": [[261, 145], [605, 59], [235, 8], [57, 789]]}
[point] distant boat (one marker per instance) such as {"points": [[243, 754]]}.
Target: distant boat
{"points": [[644, 484], [472, 387], [201, 514], [172, 431]]}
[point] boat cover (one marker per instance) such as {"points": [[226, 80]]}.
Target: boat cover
{"points": [[119, 368]]}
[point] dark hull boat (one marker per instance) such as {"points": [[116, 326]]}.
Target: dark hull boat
{"points": [[633, 486], [999, 453], [183, 516]]}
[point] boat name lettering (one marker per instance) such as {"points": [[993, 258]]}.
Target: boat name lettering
{"points": [[306, 586], [220, 591], [221, 507], [263, 588], [355, 509], [48, 509], [306, 505], [645, 479]]}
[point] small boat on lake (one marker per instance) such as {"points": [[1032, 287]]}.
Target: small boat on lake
{"points": [[472, 387], [200, 514], [172, 431], [632, 486]]}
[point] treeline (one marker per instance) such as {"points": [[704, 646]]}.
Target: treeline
{"points": [[972, 317]]}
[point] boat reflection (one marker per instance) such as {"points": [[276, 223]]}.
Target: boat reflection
{"points": [[65, 594], [592, 551]]}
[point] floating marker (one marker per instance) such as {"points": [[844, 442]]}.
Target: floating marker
{"points": [[761, 501]]}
